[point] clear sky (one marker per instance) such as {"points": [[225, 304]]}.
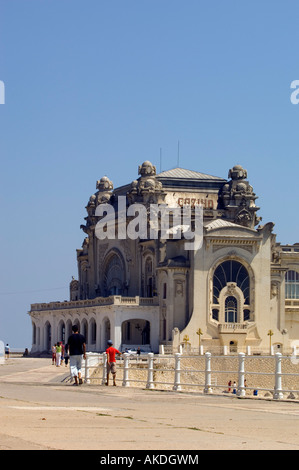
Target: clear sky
{"points": [[96, 87]]}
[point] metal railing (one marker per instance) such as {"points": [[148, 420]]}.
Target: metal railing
{"points": [[178, 377]]}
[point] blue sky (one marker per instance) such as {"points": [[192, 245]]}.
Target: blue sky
{"points": [[96, 87]]}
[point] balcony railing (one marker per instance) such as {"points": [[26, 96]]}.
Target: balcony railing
{"points": [[98, 301], [230, 327]]}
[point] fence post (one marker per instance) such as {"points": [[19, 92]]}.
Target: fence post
{"points": [[208, 383], [177, 372], [241, 387], [104, 379], [126, 382], [278, 395], [150, 372], [86, 380]]}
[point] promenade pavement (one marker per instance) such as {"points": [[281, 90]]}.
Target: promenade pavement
{"points": [[40, 410]]}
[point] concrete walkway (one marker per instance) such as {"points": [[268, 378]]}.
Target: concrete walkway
{"points": [[39, 411]]}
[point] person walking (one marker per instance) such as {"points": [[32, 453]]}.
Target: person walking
{"points": [[66, 355], [62, 352], [111, 363], [54, 354], [7, 351], [58, 354], [76, 348]]}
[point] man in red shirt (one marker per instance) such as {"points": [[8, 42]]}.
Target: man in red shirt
{"points": [[111, 364]]}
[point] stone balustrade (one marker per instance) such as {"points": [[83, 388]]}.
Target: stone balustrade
{"points": [[98, 301]]}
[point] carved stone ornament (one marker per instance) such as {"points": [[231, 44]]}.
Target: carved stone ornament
{"points": [[179, 288], [147, 188], [243, 217], [147, 169], [274, 290], [231, 288], [237, 173], [104, 184]]}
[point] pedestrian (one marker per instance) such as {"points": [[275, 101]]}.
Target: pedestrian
{"points": [[62, 352], [54, 354], [66, 356], [7, 351], [76, 349], [235, 387], [111, 363], [58, 354], [26, 353], [229, 385]]}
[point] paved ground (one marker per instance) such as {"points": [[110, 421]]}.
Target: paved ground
{"points": [[38, 411]]}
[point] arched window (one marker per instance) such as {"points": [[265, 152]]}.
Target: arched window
{"points": [[291, 285], [149, 277], [231, 293], [93, 331], [114, 276], [231, 271], [231, 309]]}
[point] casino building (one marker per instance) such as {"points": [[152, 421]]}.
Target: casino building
{"points": [[239, 289]]}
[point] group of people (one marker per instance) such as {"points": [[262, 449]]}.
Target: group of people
{"points": [[232, 386], [59, 354], [7, 351], [75, 351]]}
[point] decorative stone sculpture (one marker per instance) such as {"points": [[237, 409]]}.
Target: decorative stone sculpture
{"points": [[147, 189], [238, 199]]}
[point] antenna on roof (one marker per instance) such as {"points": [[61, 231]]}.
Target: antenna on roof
{"points": [[178, 154]]}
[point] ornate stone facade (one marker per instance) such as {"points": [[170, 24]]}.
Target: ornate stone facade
{"points": [[150, 291]]}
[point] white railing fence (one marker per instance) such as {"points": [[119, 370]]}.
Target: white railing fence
{"points": [[149, 370]]}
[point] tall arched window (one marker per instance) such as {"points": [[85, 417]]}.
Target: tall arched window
{"points": [[292, 285], [231, 293], [231, 271], [149, 277], [114, 275]]}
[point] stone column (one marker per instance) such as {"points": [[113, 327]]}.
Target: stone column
{"points": [[177, 372], [278, 395], [150, 376], [241, 387], [208, 373], [126, 382]]}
